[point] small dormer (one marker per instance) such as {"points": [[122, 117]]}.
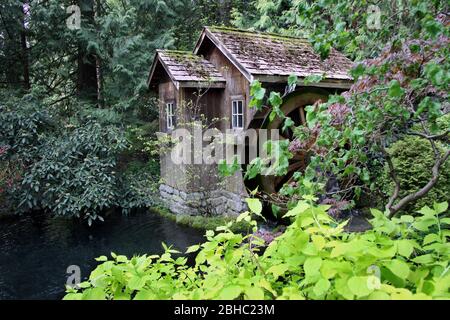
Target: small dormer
{"points": [[174, 74]]}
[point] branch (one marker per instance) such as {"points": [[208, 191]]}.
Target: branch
{"points": [[429, 137], [62, 98], [394, 177], [422, 192]]}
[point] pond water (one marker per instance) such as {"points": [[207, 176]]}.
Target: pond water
{"points": [[35, 250]]}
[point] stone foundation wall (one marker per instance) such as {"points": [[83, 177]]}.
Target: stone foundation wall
{"points": [[215, 202]]}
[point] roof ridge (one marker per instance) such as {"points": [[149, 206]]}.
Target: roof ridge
{"points": [[254, 32], [175, 51]]}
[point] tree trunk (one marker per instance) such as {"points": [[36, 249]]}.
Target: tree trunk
{"points": [[87, 72], [24, 47], [98, 64]]}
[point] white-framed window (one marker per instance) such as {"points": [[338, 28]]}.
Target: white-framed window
{"points": [[170, 115], [237, 114]]}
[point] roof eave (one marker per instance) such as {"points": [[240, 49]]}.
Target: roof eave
{"points": [[199, 41], [218, 83], [325, 83], [155, 63], [152, 69], [202, 84]]}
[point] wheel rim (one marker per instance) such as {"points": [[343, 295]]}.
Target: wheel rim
{"points": [[293, 107]]}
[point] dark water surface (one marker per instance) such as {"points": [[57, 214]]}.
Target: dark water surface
{"points": [[35, 250]]}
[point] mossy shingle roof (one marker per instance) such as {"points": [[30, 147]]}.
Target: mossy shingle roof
{"points": [[186, 66], [276, 55]]}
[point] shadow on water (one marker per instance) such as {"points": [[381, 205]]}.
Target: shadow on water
{"points": [[35, 250]]}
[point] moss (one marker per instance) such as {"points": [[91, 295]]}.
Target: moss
{"points": [[195, 65], [201, 222], [268, 35], [181, 55]]}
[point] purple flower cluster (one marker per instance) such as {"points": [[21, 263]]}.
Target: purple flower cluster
{"points": [[338, 113], [267, 236], [3, 149], [403, 62], [337, 206], [296, 145]]}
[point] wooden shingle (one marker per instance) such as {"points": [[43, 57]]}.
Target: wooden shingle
{"points": [[185, 67], [276, 55]]}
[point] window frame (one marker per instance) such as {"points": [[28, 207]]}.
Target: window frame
{"points": [[235, 124], [170, 116]]}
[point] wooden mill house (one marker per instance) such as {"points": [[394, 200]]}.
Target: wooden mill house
{"points": [[222, 67]]}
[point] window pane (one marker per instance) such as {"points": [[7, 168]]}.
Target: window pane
{"points": [[237, 113], [240, 107], [169, 115]]}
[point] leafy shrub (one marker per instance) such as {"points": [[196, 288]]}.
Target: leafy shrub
{"points": [[10, 174], [23, 127], [413, 159], [74, 175], [140, 136], [67, 168], [400, 258], [102, 116], [138, 190]]}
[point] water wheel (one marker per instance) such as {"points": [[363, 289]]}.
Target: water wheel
{"points": [[293, 107]]}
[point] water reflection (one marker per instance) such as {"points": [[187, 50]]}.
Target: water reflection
{"points": [[35, 250]]}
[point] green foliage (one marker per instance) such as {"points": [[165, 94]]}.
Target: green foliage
{"points": [[226, 169], [71, 169], [74, 174], [23, 125], [257, 92], [413, 159], [402, 258], [402, 92], [138, 185], [350, 27]]}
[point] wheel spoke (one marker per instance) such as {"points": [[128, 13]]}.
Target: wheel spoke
{"points": [[299, 160], [301, 111]]}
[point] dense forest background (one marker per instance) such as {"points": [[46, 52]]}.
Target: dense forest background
{"points": [[77, 120], [75, 109]]}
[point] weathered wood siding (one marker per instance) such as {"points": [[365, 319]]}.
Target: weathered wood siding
{"points": [[237, 86], [171, 174], [167, 93], [209, 103]]}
